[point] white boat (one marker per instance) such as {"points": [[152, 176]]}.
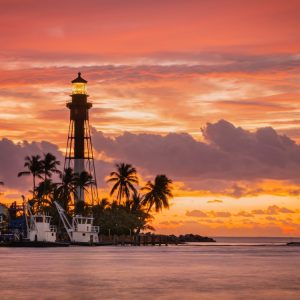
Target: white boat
{"points": [[39, 228], [81, 230], [39, 232]]}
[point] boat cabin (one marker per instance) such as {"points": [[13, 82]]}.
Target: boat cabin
{"points": [[83, 230], [40, 229]]}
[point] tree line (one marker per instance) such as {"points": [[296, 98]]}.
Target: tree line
{"points": [[128, 211]]}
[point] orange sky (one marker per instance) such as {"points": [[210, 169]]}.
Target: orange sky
{"points": [[160, 67]]}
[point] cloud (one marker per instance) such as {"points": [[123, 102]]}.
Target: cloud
{"points": [[154, 97], [237, 190], [244, 214], [215, 201], [273, 210], [211, 214], [231, 161], [170, 223], [228, 153], [269, 218], [220, 214], [12, 161], [196, 213], [53, 68]]}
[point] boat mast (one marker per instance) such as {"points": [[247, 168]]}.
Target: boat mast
{"points": [[65, 220], [25, 209]]}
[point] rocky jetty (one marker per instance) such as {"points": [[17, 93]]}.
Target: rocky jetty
{"points": [[195, 238], [186, 238]]}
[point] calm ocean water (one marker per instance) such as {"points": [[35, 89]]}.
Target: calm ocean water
{"points": [[245, 269]]}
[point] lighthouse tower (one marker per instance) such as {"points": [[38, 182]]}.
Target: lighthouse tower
{"points": [[79, 151]]}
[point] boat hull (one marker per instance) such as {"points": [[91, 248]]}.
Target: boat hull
{"points": [[92, 244], [293, 244], [19, 244]]}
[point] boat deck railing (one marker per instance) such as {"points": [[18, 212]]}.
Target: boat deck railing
{"points": [[95, 229], [53, 228]]}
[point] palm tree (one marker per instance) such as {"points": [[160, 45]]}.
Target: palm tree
{"points": [[158, 193], [103, 204], [67, 187], [1, 183], [124, 180], [99, 209], [135, 203], [83, 181], [44, 193], [49, 165], [137, 209], [34, 165]]}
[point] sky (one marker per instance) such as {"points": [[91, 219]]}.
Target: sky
{"points": [[206, 92]]}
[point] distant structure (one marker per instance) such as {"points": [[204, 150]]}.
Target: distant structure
{"points": [[79, 150]]}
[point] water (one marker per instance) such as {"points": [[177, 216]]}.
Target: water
{"points": [[239, 271]]}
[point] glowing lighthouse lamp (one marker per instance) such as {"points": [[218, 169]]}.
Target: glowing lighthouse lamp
{"points": [[79, 86]]}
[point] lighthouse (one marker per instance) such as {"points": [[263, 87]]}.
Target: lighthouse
{"points": [[79, 150]]}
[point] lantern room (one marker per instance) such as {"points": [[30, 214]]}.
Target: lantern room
{"points": [[79, 86]]}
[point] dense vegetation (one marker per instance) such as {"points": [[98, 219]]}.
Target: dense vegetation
{"points": [[127, 212]]}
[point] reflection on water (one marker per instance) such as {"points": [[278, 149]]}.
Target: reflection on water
{"points": [[173, 272]]}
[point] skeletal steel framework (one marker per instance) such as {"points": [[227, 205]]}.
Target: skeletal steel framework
{"points": [[79, 151]]}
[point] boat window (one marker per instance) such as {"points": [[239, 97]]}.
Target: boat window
{"points": [[39, 219], [83, 234]]}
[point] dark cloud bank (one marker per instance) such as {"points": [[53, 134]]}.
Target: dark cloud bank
{"points": [[12, 160], [228, 153], [124, 72]]}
